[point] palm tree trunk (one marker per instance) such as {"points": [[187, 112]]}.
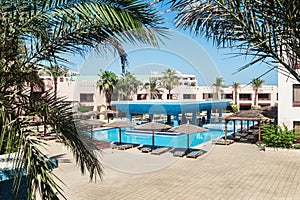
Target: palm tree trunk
{"points": [[255, 97], [55, 88], [169, 97], [235, 97]]}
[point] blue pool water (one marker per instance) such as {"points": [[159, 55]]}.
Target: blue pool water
{"points": [[160, 139]]}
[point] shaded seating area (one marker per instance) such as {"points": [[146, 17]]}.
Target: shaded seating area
{"points": [[246, 133]]}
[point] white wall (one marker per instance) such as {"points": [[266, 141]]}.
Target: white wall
{"points": [[286, 112]]}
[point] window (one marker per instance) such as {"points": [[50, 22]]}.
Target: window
{"points": [[264, 96], [207, 95], [227, 96], [245, 97], [86, 97], [297, 126], [189, 96], [296, 95]]}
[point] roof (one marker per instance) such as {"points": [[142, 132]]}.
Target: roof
{"points": [[270, 111], [188, 129], [119, 124], [247, 115], [168, 107], [152, 126]]}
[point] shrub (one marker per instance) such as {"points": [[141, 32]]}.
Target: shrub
{"points": [[275, 136], [235, 107], [83, 108], [297, 146], [255, 107]]}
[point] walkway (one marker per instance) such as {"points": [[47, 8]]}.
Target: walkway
{"points": [[238, 171]]}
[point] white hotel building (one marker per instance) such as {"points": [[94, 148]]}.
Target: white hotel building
{"points": [[83, 90], [289, 101]]}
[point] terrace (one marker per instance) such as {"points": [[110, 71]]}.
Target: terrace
{"points": [[238, 171]]}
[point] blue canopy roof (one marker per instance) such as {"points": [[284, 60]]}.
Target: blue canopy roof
{"points": [[169, 107]]}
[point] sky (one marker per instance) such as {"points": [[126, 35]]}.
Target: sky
{"points": [[181, 51]]}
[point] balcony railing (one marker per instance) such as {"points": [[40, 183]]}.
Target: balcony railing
{"points": [[245, 99], [86, 100], [264, 99], [296, 104]]}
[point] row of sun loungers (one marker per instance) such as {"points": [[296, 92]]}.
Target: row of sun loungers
{"points": [[160, 150], [188, 153], [154, 151]]}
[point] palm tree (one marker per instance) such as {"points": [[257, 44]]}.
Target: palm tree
{"points": [[35, 32], [268, 30], [107, 83], [256, 83], [235, 86], [56, 72], [169, 80], [153, 87], [218, 84], [127, 85]]}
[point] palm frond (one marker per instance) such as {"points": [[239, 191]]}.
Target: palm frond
{"points": [[264, 29]]}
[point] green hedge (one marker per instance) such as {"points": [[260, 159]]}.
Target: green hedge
{"points": [[278, 137]]}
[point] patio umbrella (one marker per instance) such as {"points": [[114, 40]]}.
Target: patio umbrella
{"points": [[119, 124], [92, 123], [80, 114], [188, 129], [152, 126], [106, 112]]}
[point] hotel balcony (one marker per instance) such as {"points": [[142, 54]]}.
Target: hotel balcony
{"points": [[245, 99]]}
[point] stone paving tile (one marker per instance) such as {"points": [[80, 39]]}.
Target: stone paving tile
{"points": [[238, 171]]}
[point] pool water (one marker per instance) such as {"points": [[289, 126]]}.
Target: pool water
{"points": [[160, 139]]}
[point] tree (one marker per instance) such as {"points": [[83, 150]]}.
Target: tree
{"points": [[127, 85], [56, 72], [218, 84], [268, 30], [107, 83], [38, 33], [153, 88], [235, 86], [169, 80], [256, 83]]}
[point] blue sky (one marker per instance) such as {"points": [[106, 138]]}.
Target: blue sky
{"points": [[183, 52]]}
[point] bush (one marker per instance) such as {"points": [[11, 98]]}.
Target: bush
{"points": [[275, 136], [255, 107], [83, 108], [297, 146], [235, 107]]}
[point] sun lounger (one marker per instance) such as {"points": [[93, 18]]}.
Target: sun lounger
{"points": [[47, 137], [146, 149], [195, 154], [222, 142], [160, 150], [60, 140], [125, 146], [179, 153], [115, 145]]}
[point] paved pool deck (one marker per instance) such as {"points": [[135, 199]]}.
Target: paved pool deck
{"points": [[237, 171]]}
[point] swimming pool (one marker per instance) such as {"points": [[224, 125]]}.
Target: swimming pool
{"points": [[140, 137]]}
